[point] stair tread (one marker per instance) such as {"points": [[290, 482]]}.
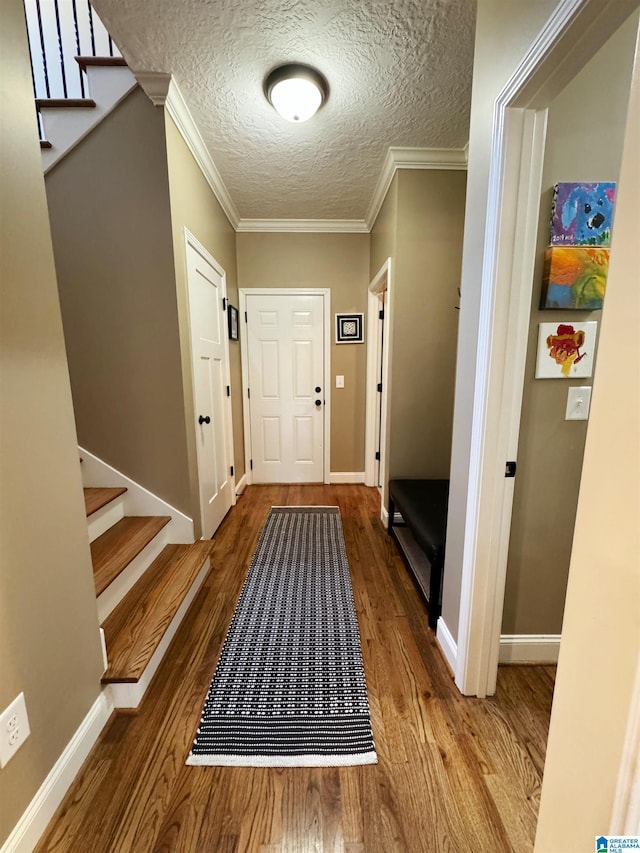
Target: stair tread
{"points": [[116, 548], [65, 103], [100, 61], [95, 498], [135, 628]]}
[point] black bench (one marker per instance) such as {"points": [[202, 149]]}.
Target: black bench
{"points": [[421, 537]]}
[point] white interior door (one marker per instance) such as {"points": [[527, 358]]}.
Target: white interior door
{"points": [[285, 340], [206, 285]]}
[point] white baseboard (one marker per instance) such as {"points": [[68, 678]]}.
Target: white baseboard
{"points": [[529, 648], [447, 644], [34, 821], [241, 485], [346, 477], [137, 499]]}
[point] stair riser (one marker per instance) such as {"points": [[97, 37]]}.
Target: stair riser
{"points": [[101, 520], [121, 585], [126, 695]]}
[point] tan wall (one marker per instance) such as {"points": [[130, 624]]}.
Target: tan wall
{"points": [[384, 234], [601, 630], [109, 206], [504, 31], [579, 147], [195, 207], [49, 643], [341, 263], [430, 223]]}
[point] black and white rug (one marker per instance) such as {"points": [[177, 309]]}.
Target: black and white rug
{"points": [[289, 689]]}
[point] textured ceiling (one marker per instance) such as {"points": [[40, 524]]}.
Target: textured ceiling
{"points": [[399, 73]]}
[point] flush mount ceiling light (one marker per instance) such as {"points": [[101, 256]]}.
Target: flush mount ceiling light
{"points": [[296, 92]]}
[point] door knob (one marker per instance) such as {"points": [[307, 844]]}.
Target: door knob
{"points": [[204, 420], [318, 402], [318, 389]]}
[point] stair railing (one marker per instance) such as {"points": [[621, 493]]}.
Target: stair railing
{"points": [[59, 31]]}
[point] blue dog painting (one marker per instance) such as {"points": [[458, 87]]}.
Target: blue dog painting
{"points": [[582, 214]]}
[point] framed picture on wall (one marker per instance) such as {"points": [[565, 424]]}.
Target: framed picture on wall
{"points": [[349, 328], [566, 350], [232, 314]]}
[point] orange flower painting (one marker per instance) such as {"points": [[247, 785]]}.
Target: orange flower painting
{"points": [[575, 277], [565, 350]]}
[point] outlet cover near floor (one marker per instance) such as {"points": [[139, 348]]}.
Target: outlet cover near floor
{"points": [[14, 729]]}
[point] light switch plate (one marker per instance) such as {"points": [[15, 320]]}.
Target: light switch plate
{"points": [[339, 381], [578, 402]]}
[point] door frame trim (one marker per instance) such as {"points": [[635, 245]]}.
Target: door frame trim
{"points": [[574, 31], [196, 245], [325, 292], [381, 282]]}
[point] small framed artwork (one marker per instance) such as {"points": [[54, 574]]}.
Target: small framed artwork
{"points": [[566, 350], [575, 278], [349, 328], [232, 314]]}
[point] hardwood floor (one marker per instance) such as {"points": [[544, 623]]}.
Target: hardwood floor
{"points": [[454, 774]]}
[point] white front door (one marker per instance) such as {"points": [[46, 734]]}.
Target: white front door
{"points": [[206, 286], [285, 337]]}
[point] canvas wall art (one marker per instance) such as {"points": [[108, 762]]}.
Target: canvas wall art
{"points": [[574, 277], [566, 350], [582, 214]]}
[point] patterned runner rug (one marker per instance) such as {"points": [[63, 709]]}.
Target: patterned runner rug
{"points": [[289, 689]]}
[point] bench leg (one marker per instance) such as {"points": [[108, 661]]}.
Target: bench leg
{"points": [[435, 593], [392, 512]]}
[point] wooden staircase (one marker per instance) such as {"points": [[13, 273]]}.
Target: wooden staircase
{"points": [[144, 587]]}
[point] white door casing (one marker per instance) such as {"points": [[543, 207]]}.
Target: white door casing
{"points": [[377, 428], [206, 283], [574, 32], [284, 350]]}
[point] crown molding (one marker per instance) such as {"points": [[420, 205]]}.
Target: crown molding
{"points": [[304, 226], [155, 85], [411, 158], [163, 90]]}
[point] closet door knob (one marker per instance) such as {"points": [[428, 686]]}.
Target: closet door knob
{"points": [[204, 420]]}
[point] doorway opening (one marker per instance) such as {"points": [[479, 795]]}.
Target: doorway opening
{"points": [[377, 393]]}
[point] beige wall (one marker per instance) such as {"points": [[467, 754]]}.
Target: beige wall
{"points": [[111, 227], [49, 644], [195, 207], [583, 144], [430, 211], [341, 263], [384, 233], [504, 31], [599, 656]]}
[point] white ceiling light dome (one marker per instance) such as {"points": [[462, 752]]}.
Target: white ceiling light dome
{"points": [[296, 92]]}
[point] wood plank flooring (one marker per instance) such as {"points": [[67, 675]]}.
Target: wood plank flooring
{"points": [[454, 774]]}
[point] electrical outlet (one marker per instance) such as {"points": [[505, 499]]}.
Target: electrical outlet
{"points": [[14, 729]]}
